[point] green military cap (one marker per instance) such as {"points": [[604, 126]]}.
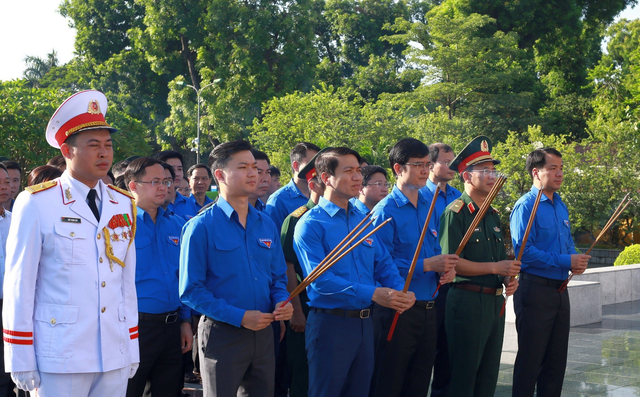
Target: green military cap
{"points": [[476, 152], [309, 170]]}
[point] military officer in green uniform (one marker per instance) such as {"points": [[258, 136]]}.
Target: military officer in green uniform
{"points": [[296, 353], [473, 323]]}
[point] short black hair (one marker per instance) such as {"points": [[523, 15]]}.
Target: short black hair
{"points": [[57, 161], [197, 166], [299, 151], [275, 171], [3, 167], [369, 170], [327, 161], [172, 170], [221, 154], [537, 158], [43, 173], [119, 182], [260, 155], [12, 165], [138, 169], [120, 167], [404, 149], [169, 154], [436, 148]]}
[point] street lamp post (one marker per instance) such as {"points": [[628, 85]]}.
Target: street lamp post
{"points": [[198, 91]]}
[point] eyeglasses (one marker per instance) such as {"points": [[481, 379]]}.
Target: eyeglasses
{"points": [[421, 165], [445, 163], [378, 184], [157, 183], [492, 173]]}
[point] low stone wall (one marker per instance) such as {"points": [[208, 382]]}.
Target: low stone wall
{"points": [[595, 288], [602, 257]]}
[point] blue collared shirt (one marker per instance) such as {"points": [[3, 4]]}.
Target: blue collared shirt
{"points": [[401, 237], [284, 201], [260, 206], [183, 206], [444, 198], [360, 206], [207, 200], [351, 282], [550, 245], [226, 269], [157, 263]]}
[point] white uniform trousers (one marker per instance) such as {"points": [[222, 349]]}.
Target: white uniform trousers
{"points": [[91, 384]]}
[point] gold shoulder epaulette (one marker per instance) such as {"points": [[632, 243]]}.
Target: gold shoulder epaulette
{"points": [[456, 206], [33, 189], [125, 192], [299, 212]]}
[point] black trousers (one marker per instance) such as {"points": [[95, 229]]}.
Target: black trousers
{"points": [[235, 361], [441, 367], [160, 372], [403, 365], [542, 322]]}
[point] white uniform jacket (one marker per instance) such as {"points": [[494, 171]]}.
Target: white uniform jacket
{"points": [[68, 308]]}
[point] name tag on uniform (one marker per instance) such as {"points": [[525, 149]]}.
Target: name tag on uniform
{"points": [[173, 239], [71, 220], [477, 230], [265, 242]]}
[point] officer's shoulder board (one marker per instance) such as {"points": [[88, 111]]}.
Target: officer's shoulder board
{"points": [[33, 189], [456, 206], [299, 212], [122, 191]]}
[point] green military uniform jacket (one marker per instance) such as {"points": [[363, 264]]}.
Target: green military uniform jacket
{"points": [[286, 238], [485, 245]]}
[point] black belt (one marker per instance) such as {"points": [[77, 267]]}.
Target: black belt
{"points": [[167, 318], [542, 280], [425, 304], [364, 313], [478, 288]]}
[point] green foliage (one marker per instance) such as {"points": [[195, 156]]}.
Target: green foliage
{"points": [[25, 112], [629, 256]]}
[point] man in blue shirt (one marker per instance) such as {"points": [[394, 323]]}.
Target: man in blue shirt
{"points": [[374, 188], [441, 155], [403, 364], [164, 323], [294, 194], [264, 179], [339, 330], [542, 313], [200, 183], [232, 270], [181, 205]]}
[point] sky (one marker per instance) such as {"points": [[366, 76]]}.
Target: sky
{"points": [[35, 27]]}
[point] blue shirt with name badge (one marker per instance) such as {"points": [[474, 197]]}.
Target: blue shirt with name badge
{"points": [[157, 263], [401, 237], [226, 269], [351, 282], [550, 245]]}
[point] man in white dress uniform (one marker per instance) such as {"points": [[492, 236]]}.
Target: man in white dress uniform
{"points": [[70, 311]]}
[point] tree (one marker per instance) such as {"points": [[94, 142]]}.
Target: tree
{"points": [[25, 112], [37, 68]]}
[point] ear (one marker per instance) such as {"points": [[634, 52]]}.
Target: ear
{"points": [[65, 150], [466, 176], [325, 179], [397, 168], [220, 176], [535, 174], [296, 167], [133, 188]]}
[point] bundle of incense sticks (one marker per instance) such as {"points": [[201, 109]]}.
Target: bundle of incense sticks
{"points": [[532, 217], [342, 249], [624, 203], [412, 268], [500, 180]]}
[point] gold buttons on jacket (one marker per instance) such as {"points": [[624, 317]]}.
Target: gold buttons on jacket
{"points": [[101, 260], [104, 284], [103, 309], [72, 234], [53, 321], [98, 236]]}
